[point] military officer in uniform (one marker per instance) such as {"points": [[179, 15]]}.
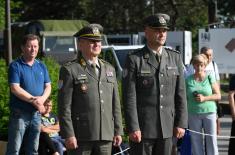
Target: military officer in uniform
{"points": [[89, 105], [154, 92]]}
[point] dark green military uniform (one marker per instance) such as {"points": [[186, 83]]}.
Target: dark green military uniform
{"points": [[89, 105], [154, 95]]}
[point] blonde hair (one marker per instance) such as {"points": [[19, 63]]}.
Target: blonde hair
{"points": [[200, 58]]}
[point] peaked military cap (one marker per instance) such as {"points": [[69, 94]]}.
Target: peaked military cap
{"points": [[159, 20], [91, 32]]}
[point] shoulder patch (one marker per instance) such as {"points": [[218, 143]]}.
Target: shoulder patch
{"points": [[171, 49]]}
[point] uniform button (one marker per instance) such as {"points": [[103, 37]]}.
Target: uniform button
{"points": [[161, 96], [77, 118], [161, 106], [102, 110], [100, 82], [101, 91], [102, 101], [162, 86], [162, 75]]}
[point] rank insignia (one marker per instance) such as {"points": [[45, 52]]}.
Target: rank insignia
{"points": [[82, 62], [84, 87], [109, 73]]}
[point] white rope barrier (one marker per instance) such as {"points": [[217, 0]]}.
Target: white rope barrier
{"points": [[221, 137], [121, 151], [200, 133]]}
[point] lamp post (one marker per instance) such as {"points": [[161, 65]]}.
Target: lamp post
{"points": [[7, 32], [212, 11]]}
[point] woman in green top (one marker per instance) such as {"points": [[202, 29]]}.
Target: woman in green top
{"points": [[202, 92]]}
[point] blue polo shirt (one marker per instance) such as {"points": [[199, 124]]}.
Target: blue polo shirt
{"points": [[31, 78]]}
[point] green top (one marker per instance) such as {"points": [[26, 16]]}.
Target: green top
{"points": [[204, 88]]}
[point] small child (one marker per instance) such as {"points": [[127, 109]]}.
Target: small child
{"points": [[50, 125]]}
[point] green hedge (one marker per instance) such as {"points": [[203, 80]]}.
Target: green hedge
{"points": [[4, 98]]}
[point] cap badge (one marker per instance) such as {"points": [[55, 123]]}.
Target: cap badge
{"points": [[96, 31], [162, 20]]}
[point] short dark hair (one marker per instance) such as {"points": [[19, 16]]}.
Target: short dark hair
{"points": [[204, 49], [28, 37]]}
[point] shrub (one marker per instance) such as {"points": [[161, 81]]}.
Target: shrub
{"points": [[53, 69], [4, 99]]}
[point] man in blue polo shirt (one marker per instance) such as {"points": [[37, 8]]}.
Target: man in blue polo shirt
{"points": [[30, 86]]}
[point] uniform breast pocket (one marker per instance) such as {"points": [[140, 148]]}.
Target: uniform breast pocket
{"points": [[110, 84], [172, 73], [144, 82], [81, 85]]}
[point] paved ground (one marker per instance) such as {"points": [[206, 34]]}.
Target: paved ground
{"points": [[225, 131]]}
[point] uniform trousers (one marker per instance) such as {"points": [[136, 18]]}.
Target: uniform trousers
{"points": [[92, 148], [152, 147], [231, 148]]}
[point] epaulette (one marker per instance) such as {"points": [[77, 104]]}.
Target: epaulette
{"points": [[104, 61], [171, 49], [70, 62]]}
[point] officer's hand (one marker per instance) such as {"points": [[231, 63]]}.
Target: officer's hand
{"points": [[135, 136], [179, 132], [117, 140], [71, 143]]}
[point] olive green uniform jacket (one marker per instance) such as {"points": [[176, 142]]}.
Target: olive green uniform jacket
{"points": [[154, 93], [89, 107]]}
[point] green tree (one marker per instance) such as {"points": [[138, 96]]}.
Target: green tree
{"points": [[15, 14], [2, 14]]}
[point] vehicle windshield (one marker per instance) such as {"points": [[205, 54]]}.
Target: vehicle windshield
{"points": [[121, 55], [59, 44]]}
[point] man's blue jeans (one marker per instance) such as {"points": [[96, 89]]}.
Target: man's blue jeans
{"points": [[23, 127]]}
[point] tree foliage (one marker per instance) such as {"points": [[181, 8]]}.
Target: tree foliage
{"points": [[122, 16], [15, 6]]}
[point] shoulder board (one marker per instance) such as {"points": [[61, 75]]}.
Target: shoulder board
{"points": [[70, 62], [171, 49], [102, 60]]}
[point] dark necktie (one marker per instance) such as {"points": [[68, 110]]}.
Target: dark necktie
{"points": [[158, 58], [95, 69]]}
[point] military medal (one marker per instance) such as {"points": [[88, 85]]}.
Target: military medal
{"points": [[84, 87], [145, 82]]}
